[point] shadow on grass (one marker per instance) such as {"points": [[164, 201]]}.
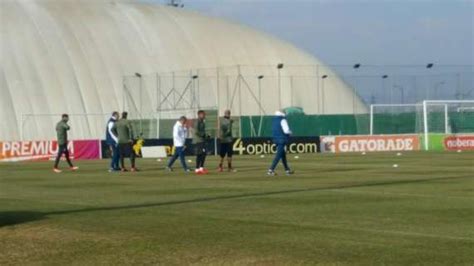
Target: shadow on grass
{"points": [[250, 195], [19, 217], [12, 218]]}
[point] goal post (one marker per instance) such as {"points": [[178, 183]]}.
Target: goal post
{"points": [[432, 119], [447, 117]]}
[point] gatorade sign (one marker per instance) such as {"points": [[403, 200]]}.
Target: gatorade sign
{"points": [[376, 143], [455, 143]]}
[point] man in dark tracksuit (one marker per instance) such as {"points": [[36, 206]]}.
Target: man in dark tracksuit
{"points": [[61, 130], [112, 141], [226, 141], [124, 131], [281, 133], [200, 142]]}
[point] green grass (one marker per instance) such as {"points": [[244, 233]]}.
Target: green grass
{"points": [[336, 209]]}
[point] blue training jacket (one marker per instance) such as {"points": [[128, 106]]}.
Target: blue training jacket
{"points": [[108, 138], [279, 137]]}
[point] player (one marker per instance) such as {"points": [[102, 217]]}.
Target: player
{"points": [[180, 132], [112, 141], [61, 129], [200, 142], [281, 133], [226, 142], [124, 130]]}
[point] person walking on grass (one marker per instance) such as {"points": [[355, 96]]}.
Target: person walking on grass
{"points": [[281, 134], [61, 130], [180, 132], [200, 142], [112, 141], [124, 130], [226, 142]]}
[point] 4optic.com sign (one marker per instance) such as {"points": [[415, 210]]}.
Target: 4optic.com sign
{"points": [[256, 146]]}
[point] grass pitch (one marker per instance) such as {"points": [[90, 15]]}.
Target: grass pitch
{"points": [[336, 209]]}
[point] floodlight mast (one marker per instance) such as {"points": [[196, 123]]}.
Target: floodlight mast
{"points": [[175, 3]]}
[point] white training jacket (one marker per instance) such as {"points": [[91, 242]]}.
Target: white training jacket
{"points": [[180, 132], [110, 125]]}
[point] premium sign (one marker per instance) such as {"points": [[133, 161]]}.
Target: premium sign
{"points": [[43, 150], [454, 143], [377, 143]]}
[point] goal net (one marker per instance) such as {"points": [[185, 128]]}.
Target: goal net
{"points": [[453, 117]]}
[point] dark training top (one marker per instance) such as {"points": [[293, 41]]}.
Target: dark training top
{"points": [[200, 131], [61, 129]]}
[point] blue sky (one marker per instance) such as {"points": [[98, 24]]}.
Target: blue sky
{"points": [[366, 31]]}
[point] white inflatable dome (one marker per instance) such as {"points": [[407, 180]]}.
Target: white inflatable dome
{"points": [[71, 56]]}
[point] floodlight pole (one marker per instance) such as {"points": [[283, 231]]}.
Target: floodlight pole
{"points": [[356, 66], [259, 79], [323, 77], [279, 67], [427, 92], [384, 77]]}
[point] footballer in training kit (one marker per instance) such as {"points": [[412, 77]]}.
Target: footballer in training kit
{"points": [[200, 142], [226, 141], [124, 130], [281, 134], [112, 141], [180, 133], [61, 130]]}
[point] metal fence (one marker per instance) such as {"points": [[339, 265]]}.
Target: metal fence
{"points": [[250, 91], [154, 100]]}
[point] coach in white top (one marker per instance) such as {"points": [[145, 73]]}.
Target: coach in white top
{"points": [[180, 133]]}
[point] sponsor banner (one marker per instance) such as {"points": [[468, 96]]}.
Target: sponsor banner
{"points": [[257, 146], [377, 143], [166, 143], [454, 143], [249, 146], [13, 151], [328, 144]]}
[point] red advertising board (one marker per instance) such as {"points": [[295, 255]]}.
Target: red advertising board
{"points": [[376, 143], [44, 150], [454, 143]]}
